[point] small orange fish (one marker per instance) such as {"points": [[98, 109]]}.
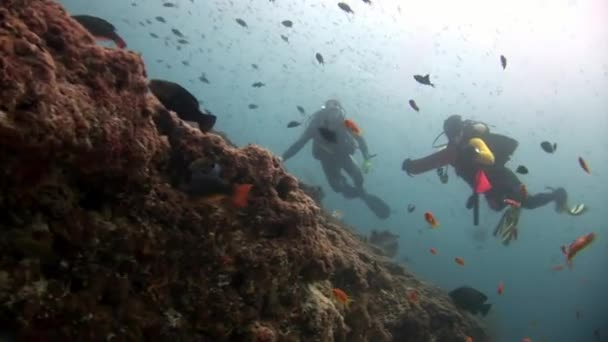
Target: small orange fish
{"points": [[584, 165], [341, 296], [500, 287], [459, 261], [433, 251], [468, 339], [352, 127], [526, 339], [412, 296], [512, 203], [578, 245], [557, 267], [430, 218]]}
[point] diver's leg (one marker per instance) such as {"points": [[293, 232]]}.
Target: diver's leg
{"points": [[332, 173], [559, 196], [509, 186], [356, 175], [505, 184]]}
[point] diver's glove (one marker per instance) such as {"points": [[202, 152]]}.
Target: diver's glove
{"points": [[366, 166], [506, 230], [406, 166]]}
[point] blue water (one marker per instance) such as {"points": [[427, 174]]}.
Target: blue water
{"points": [[555, 87]]}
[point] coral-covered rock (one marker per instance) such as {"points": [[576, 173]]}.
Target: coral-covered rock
{"points": [[99, 244]]}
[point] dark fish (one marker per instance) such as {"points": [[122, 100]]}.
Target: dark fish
{"points": [[469, 299], [252, 106], [203, 78], [160, 19], [186, 63], [241, 22], [292, 124], [319, 58], [522, 170], [169, 4], [285, 38], [182, 41], [424, 80], [174, 97], [345, 7], [287, 23], [411, 208], [177, 32], [367, 2], [207, 184], [255, 66], [258, 85], [328, 135], [503, 62], [301, 110], [153, 35], [100, 29], [414, 105], [548, 147]]}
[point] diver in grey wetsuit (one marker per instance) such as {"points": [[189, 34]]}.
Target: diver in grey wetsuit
{"points": [[334, 145]]}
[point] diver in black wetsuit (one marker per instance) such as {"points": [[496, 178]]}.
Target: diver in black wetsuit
{"points": [[462, 154], [334, 145]]}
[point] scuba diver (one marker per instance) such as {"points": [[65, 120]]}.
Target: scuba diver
{"points": [[335, 140], [479, 157]]}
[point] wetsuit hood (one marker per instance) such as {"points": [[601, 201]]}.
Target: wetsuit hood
{"points": [[452, 126]]}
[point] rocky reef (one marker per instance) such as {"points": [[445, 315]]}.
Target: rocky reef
{"points": [[99, 245]]}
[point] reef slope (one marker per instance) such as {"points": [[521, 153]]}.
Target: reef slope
{"points": [[99, 245]]}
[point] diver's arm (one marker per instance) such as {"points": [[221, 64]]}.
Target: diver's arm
{"points": [[431, 162], [362, 146], [306, 135]]}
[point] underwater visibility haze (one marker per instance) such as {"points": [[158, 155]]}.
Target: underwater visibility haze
{"points": [[535, 71]]}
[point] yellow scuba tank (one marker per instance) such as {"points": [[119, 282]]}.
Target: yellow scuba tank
{"points": [[483, 154]]}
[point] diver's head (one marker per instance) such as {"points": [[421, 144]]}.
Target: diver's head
{"points": [[335, 105], [453, 128]]}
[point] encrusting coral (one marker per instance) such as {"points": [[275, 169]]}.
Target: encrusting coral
{"points": [[98, 244]]}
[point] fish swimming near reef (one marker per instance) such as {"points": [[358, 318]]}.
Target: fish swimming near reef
{"points": [[424, 80], [503, 61], [100, 29], [522, 170], [341, 297], [343, 6], [176, 98], [319, 58], [205, 183], [430, 219], [287, 23], [471, 300], [241, 22], [548, 147], [583, 164], [414, 105]]}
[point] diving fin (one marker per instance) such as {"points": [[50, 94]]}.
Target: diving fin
{"points": [[506, 229], [377, 206], [577, 210]]}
